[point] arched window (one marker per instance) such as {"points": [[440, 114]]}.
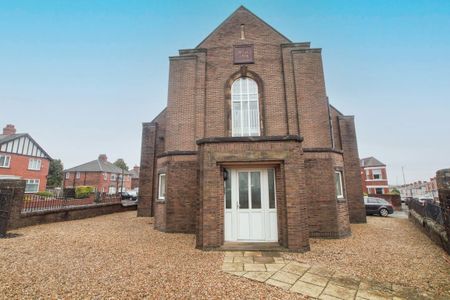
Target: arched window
{"points": [[245, 107]]}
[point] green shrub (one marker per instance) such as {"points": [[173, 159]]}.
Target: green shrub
{"points": [[44, 194], [83, 191]]}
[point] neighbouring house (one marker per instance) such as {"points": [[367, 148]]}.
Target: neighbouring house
{"points": [[134, 177], [103, 176], [21, 157], [419, 189], [248, 149], [374, 176]]}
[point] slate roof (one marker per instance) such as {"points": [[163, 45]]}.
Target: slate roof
{"points": [[371, 162], [134, 173], [97, 166]]}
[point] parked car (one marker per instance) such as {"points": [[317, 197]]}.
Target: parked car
{"points": [[125, 196], [133, 194], [378, 206]]}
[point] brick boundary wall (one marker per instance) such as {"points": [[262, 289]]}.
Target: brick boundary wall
{"points": [[17, 219], [433, 230], [395, 200], [443, 185], [66, 214]]}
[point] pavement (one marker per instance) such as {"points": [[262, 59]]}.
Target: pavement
{"points": [[312, 281]]}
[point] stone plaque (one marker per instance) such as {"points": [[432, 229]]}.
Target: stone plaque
{"points": [[243, 54]]}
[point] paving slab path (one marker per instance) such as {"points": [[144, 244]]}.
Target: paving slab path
{"points": [[312, 281]]}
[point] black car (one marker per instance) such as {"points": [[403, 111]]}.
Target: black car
{"points": [[378, 206]]}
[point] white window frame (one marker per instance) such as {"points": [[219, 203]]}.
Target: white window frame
{"points": [[6, 161], [34, 182], [113, 177], [244, 97], [105, 176], [78, 175], [341, 185], [162, 187], [377, 172], [67, 175], [34, 164]]}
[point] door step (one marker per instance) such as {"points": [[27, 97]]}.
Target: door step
{"points": [[249, 246]]}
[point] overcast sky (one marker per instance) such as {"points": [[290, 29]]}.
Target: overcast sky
{"points": [[81, 76]]}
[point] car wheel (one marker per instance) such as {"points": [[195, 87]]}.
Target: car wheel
{"points": [[384, 212]]}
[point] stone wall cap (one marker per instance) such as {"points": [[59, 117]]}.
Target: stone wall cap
{"points": [[323, 150], [241, 139], [176, 152], [301, 44]]}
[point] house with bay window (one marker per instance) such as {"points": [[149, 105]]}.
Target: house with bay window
{"points": [[21, 157], [248, 150], [374, 176]]}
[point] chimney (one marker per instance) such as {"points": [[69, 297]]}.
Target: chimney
{"points": [[136, 168], [9, 129], [102, 157]]}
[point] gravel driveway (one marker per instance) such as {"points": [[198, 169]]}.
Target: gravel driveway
{"points": [[116, 256], [385, 250], [121, 256]]}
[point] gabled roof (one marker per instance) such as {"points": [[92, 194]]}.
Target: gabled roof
{"points": [[371, 162], [134, 173], [240, 9], [19, 143], [97, 166]]}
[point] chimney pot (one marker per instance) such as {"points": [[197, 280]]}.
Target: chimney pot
{"points": [[9, 129], [102, 157]]}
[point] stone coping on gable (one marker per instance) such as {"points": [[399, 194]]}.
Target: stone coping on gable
{"points": [[240, 139]]}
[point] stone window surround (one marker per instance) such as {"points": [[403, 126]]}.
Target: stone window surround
{"points": [[243, 72]]}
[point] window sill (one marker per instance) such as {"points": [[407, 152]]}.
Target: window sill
{"points": [[160, 201], [341, 200], [5, 167]]}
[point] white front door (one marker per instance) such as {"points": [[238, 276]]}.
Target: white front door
{"points": [[250, 206]]}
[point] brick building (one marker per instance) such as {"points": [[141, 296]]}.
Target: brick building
{"points": [[248, 148], [134, 177], [104, 176], [22, 157], [374, 176]]}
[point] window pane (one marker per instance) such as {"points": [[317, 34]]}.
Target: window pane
{"points": [[244, 85], [236, 88], [237, 119], [245, 119], [228, 191], [338, 184], [256, 189], [243, 190], [271, 175]]}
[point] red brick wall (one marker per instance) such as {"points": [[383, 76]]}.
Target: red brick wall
{"points": [[352, 174], [19, 167]]}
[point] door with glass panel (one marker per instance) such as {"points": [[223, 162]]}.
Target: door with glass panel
{"points": [[250, 206]]}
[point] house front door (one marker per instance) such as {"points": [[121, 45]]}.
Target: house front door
{"points": [[250, 206]]}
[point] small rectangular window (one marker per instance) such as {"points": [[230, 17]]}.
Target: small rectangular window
{"points": [[339, 185], [5, 161], [379, 191], [34, 164], [113, 177], [78, 175], [67, 175], [105, 176], [377, 174], [162, 187], [32, 186]]}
